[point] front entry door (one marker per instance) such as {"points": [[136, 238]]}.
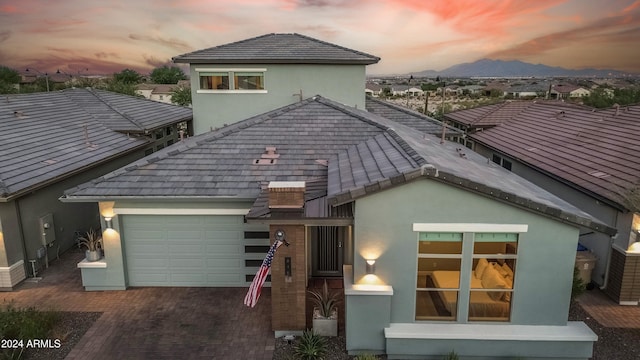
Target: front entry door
{"points": [[327, 244]]}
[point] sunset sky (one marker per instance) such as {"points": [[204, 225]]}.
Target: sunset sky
{"points": [[107, 36]]}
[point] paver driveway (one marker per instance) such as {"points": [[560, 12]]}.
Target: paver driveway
{"points": [[154, 323]]}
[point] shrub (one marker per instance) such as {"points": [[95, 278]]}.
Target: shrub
{"points": [[578, 286], [451, 356], [311, 346]]}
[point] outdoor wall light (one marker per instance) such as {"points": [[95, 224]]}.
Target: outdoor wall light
{"points": [[107, 221], [371, 266]]}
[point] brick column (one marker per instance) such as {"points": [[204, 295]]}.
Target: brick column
{"points": [[288, 294]]}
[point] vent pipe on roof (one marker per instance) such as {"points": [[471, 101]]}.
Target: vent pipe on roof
{"points": [[617, 106], [86, 135]]}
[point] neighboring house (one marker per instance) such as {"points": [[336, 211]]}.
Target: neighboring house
{"points": [[373, 89], [532, 90], [586, 156], [566, 91], [156, 92], [412, 119], [347, 187], [51, 141], [234, 81]]}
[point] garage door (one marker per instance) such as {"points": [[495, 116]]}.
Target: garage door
{"points": [[186, 250]]}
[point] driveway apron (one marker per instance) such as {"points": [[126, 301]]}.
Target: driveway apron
{"points": [[154, 322]]}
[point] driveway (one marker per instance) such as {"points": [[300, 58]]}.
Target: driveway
{"points": [[154, 323]]}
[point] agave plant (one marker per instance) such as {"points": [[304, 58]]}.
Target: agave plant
{"points": [[92, 240], [326, 302], [311, 346]]}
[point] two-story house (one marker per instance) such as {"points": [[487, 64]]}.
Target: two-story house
{"points": [[437, 248]]}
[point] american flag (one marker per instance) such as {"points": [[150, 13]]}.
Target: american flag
{"points": [[256, 286]]}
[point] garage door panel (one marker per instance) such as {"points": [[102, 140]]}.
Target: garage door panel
{"points": [[187, 250], [223, 250], [223, 264]]}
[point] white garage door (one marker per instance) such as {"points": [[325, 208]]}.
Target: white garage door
{"points": [[185, 250]]}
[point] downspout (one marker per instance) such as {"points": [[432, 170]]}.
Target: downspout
{"points": [[22, 239], [606, 271]]}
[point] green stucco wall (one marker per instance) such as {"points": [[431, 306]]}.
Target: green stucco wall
{"points": [[20, 217], [599, 243], [342, 83], [383, 224]]}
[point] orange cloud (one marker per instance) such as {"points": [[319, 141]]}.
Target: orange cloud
{"points": [[633, 6], [481, 17], [172, 43], [9, 9]]}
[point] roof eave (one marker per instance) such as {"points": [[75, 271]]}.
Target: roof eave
{"points": [[494, 193], [98, 198], [277, 61]]}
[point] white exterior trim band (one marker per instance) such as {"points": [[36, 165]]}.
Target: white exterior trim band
{"points": [[457, 227], [164, 211]]}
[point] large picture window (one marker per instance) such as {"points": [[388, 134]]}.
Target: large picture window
{"points": [[465, 276], [231, 80]]}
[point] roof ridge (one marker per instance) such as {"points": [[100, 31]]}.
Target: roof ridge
{"points": [[334, 45], [95, 93], [406, 148], [92, 91], [346, 109], [222, 45]]}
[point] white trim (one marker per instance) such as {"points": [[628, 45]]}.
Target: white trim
{"points": [[12, 267], [573, 331], [626, 303], [366, 289], [458, 227], [205, 91], [165, 211], [231, 69], [286, 184], [100, 264]]}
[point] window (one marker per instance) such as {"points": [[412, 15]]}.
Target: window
{"points": [[466, 276], [501, 161], [158, 134], [236, 80], [249, 81], [214, 81]]}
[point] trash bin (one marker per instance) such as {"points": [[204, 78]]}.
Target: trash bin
{"points": [[585, 262]]}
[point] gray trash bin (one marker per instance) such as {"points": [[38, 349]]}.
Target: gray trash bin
{"points": [[585, 262]]}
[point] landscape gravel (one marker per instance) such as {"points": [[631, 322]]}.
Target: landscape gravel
{"points": [[612, 344], [70, 329]]}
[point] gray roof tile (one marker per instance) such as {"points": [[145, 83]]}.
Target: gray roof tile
{"points": [[366, 153], [408, 117], [278, 49], [47, 136]]}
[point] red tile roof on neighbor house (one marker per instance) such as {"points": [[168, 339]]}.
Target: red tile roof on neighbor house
{"points": [[593, 150]]}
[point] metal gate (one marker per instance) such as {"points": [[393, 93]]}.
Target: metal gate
{"points": [[327, 250]]}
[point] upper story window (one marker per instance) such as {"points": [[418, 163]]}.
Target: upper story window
{"points": [[240, 80], [501, 161]]}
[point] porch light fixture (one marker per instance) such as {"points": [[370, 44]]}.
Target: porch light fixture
{"points": [[280, 235], [371, 267], [107, 221]]}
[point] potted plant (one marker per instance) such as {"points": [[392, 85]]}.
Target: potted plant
{"points": [[93, 241], [325, 311]]}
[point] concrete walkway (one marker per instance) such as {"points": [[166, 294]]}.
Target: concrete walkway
{"points": [[154, 323]]}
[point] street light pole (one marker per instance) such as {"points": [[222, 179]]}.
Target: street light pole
{"points": [[46, 75]]}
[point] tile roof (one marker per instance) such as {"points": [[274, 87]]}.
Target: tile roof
{"points": [[593, 150], [489, 115], [48, 136], [405, 116], [401, 155], [278, 49], [126, 113], [365, 153], [305, 135]]}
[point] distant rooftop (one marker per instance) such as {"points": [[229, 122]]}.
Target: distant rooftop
{"points": [[278, 49]]}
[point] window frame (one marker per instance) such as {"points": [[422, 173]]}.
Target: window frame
{"points": [[232, 80], [467, 257]]}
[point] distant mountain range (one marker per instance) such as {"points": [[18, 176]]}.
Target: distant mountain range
{"points": [[515, 68]]}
